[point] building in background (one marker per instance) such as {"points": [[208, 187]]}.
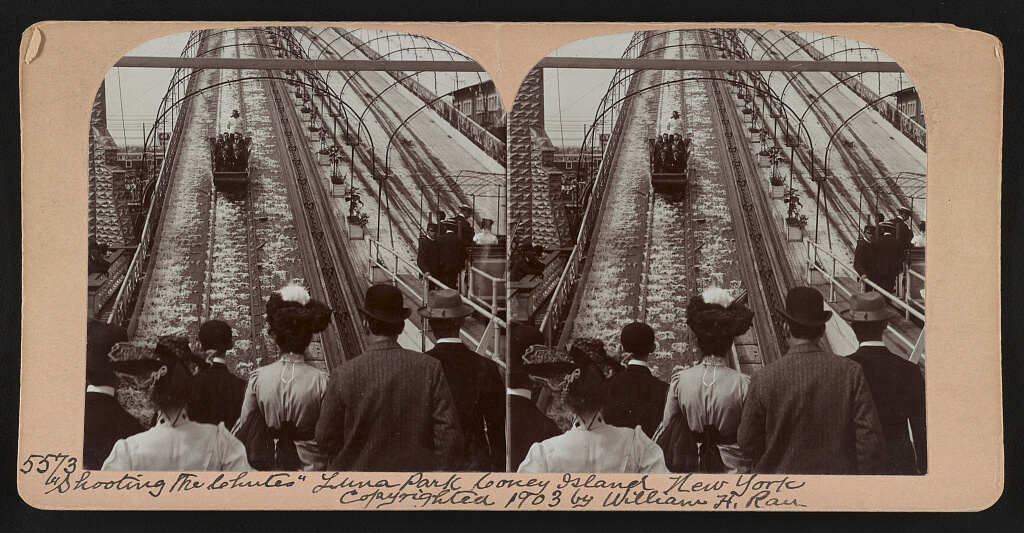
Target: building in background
{"points": [[909, 103], [482, 105]]}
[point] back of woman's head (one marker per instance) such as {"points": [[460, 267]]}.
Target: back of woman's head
{"points": [[294, 317], [716, 320], [170, 388], [585, 390]]}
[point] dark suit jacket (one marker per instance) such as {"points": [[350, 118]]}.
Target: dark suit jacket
{"points": [[426, 255], [811, 412], [479, 396], [465, 231], [215, 395], [527, 425], [888, 261], [106, 422], [635, 398], [864, 259], [451, 254], [903, 234], [388, 398], [897, 387]]}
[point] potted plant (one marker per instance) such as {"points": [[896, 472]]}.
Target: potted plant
{"points": [[357, 219], [778, 184], [795, 222]]}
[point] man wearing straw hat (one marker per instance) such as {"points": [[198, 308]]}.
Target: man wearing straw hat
{"points": [[811, 411], [475, 383], [897, 385], [388, 404]]}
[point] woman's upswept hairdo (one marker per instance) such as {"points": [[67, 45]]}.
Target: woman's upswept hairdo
{"points": [[716, 320], [294, 317], [171, 388]]}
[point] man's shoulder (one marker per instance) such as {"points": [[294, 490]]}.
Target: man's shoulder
{"points": [[461, 354], [389, 358]]}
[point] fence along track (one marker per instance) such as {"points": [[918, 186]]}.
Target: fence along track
{"points": [[341, 287]]}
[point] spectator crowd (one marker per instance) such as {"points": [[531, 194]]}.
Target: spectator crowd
{"points": [[810, 412], [388, 409]]}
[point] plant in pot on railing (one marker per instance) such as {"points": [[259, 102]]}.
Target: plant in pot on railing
{"points": [[793, 217], [334, 152], [357, 219]]}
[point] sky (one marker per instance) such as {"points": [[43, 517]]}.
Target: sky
{"points": [[571, 96], [134, 94]]}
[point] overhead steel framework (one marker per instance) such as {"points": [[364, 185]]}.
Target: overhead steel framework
{"points": [[610, 63]]}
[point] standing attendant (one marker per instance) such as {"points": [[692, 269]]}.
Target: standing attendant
{"points": [[811, 411], [427, 254], [216, 394], [864, 261], [476, 385], [674, 125], [451, 256], [464, 227], [389, 404], [897, 386], [888, 258], [106, 422], [234, 123], [635, 396], [902, 230], [527, 424]]}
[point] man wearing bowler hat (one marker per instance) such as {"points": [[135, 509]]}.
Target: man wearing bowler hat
{"points": [[897, 386], [811, 411], [388, 402], [476, 385]]}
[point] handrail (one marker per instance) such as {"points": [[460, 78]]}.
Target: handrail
{"points": [[836, 261], [376, 262], [835, 285]]}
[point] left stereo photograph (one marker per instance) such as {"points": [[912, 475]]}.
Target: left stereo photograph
{"points": [[297, 256]]}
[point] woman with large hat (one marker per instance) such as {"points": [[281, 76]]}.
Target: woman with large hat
{"points": [[287, 393], [174, 443], [710, 394], [591, 445]]}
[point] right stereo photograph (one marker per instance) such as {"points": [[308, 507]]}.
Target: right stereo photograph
{"points": [[717, 257]]}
